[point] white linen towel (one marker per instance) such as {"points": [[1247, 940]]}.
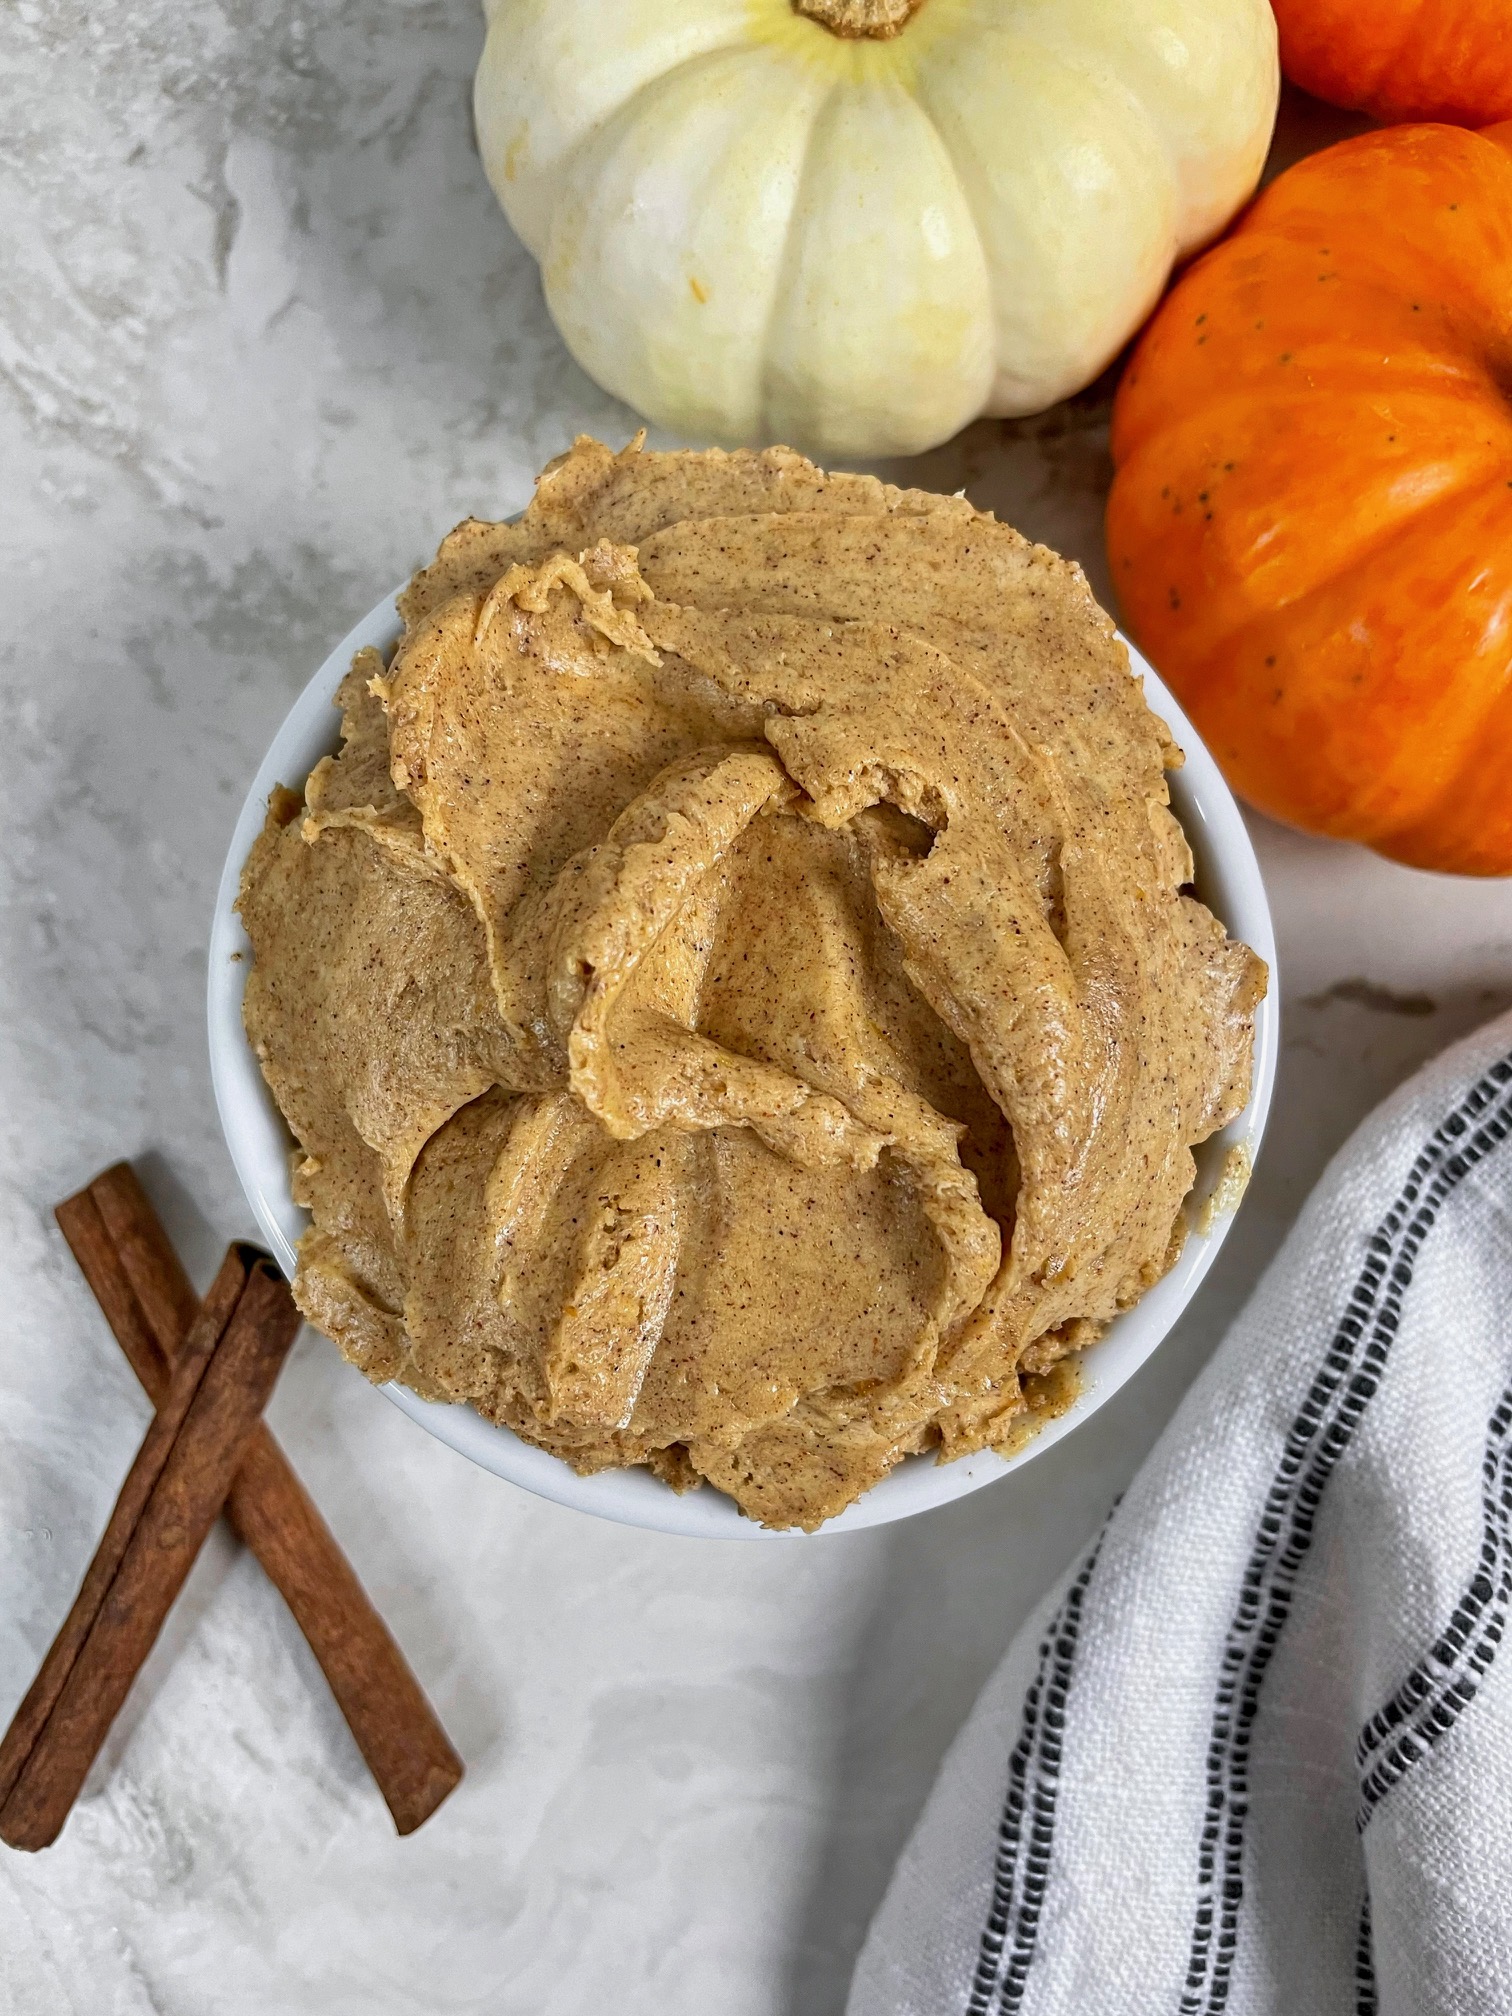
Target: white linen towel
{"points": [[1255, 1753]]}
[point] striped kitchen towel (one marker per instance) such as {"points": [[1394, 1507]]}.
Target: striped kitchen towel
{"points": [[1255, 1753]]}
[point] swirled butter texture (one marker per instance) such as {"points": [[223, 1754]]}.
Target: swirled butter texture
{"points": [[736, 989]]}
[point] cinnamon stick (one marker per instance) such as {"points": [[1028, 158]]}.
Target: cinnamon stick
{"points": [[130, 1264], [167, 1506], [151, 1271], [42, 1696]]}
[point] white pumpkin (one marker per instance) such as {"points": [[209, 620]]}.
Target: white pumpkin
{"points": [[856, 224]]}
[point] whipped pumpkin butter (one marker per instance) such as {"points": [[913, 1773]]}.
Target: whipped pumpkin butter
{"points": [[735, 989]]}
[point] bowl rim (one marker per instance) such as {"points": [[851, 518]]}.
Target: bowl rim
{"points": [[1228, 879]]}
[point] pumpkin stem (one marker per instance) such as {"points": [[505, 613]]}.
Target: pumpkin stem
{"points": [[853, 19]]}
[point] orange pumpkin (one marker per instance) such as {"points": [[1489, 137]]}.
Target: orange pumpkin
{"points": [[1310, 527], [1402, 59]]}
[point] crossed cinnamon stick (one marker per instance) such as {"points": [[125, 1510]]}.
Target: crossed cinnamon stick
{"points": [[209, 1368]]}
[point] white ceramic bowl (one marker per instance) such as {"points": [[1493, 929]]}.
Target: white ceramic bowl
{"points": [[1228, 879]]}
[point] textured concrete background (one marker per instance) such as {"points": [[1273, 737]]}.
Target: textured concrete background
{"points": [[263, 337]]}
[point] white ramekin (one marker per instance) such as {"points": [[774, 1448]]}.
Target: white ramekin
{"points": [[1228, 879]]}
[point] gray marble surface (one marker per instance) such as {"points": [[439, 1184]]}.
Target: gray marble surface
{"points": [[263, 337]]}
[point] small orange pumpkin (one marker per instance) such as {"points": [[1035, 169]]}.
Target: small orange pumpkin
{"points": [[1402, 59], [1310, 527]]}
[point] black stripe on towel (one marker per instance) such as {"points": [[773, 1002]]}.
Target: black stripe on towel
{"points": [[1365, 1974], [1336, 1401], [1443, 1684], [1021, 1866]]}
